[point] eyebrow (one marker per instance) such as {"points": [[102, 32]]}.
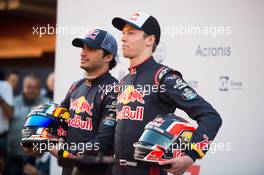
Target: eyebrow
{"points": [[130, 29]]}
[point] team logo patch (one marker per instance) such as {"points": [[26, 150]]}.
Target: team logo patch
{"points": [[134, 16], [157, 122], [92, 34], [77, 122], [26, 132], [130, 94], [109, 120], [180, 84], [188, 94], [81, 105], [128, 113], [61, 132]]}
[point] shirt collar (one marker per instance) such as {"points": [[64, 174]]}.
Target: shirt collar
{"points": [[142, 66], [97, 80]]}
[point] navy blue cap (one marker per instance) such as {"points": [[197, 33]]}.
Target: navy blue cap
{"points": [[98, 39], [140, 21]]}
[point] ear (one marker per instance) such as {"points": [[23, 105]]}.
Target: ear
{"points": [[150, 40], [108, 58]]}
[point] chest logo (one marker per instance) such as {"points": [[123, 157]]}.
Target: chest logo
{"points": [[81, 105], [130, 94]]}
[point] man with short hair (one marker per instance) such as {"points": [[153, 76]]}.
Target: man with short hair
{"points": [[91, 101], [135, 108]]}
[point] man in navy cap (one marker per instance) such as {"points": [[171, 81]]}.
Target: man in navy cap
{"points": [[90, 103], [91, 100], [135, 108]]}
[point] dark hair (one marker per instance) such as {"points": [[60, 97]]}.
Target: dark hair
{"points": [[113, 62], [33, 77], [154, 46]]}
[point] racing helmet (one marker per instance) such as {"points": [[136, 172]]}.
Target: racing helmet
{"points": [[45, 123], [165, 137]]}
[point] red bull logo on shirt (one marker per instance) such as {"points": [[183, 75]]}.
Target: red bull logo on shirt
{"points": [[81, 105], [130, 94], [127, 113], [77, 122]]}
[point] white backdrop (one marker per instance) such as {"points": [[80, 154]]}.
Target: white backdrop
{"points": [[225, 69]]}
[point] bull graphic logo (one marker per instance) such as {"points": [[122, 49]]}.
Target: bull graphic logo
{"points": [[81, 105], [130, 94]]}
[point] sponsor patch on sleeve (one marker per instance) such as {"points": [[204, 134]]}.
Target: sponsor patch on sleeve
{"points": [[188, 94]]}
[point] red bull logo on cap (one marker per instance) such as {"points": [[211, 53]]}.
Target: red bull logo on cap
{"points": [[92, 34], [81, 105], [130, 94]]}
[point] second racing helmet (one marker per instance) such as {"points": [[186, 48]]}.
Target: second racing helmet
{"points": [[165, 137]]}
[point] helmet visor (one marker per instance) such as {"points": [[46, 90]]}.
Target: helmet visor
{"points": [[155, 138], [36, 120]]}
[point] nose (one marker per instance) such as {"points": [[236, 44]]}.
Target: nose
{"points": [[124, 37], [83, 53]]}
